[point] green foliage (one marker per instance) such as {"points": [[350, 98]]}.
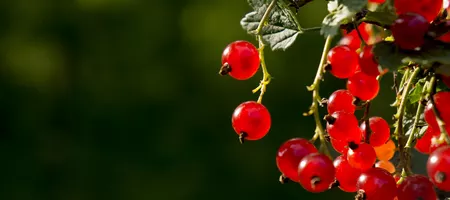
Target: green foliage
{"points": [[341, 12], [281, 30]]}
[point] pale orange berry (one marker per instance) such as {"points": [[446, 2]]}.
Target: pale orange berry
{"points": [[385, 151], [387, 165]]}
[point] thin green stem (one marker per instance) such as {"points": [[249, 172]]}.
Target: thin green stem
{"points": [[320, 132], [404, 158], [265, 17], [266, 76], [311, 29], [363, 42], [420, 108]]}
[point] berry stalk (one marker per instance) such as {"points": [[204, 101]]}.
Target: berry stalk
{"points": [[266, 76], [316, 100], [399, 132]]}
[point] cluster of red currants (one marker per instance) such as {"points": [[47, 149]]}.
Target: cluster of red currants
{"points": [[360, 143]]}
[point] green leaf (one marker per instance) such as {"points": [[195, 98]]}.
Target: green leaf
{"points": [[381, 17], [416, 93], [341, 12], [281, 30], [433, 53]]}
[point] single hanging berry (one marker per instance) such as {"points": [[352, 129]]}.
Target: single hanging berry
{"points": [[423, 144], [343, 61], [341, 100], [385, 151], [429, 9], [316, 172], [251, 121], [386, 165], [441, 99], [363, 86], [344, 127], [289, 155], [379, 131], [367, 62], [409, 31], [361, 156], [240, 60], [377, 184], [438, 168], [346, 175], [416, 187]]}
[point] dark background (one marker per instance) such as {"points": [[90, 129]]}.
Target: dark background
{"points": [[120, 99]]}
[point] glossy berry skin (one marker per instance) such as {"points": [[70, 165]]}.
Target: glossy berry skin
{"points": [[367, 62], [416, 187], [251, 118], [409, 31], [316, 172], [352, 39], [362, 157], [341, 100], [429, 9], [340, 146], [377, 184], [386, 165], [289, 155], [385, 151], [435, 144], [363, 86], [242, 58], [380, 131], [438, 168], [441, 100], [344, 126], [423, 144], [343, 61], [346, 174]]}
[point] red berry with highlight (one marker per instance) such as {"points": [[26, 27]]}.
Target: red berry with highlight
{"points": [[367, 62], [429, 9], [377, 184], [340, 146], [251, 120], [441, 100], [343, 61], [361, 156], [343, 126], [416, 187], [316, 172], [423, 144], [240, 60], [409, 31], [341, 100], [438, 168], [289, 155], [363, 86], [380, 131], [346, 174]]}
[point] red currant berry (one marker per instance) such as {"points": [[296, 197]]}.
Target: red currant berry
{"points": [[438, 168], [380, 131], [316, 172], [343, 61], [423, 144], [429, 9], [343, 126], [361, 156], [352, 39], [363, 86], [409, 30], [251, 120], [435, 143], [416, 187], [240, 60], [386, 165], [341, 100], [340, 146], [377, 184], [441, 100], [289, 155], [346, 175], [367, 62]]}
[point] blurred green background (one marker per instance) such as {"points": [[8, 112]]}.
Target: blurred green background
{"points": [[120, 99]]}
